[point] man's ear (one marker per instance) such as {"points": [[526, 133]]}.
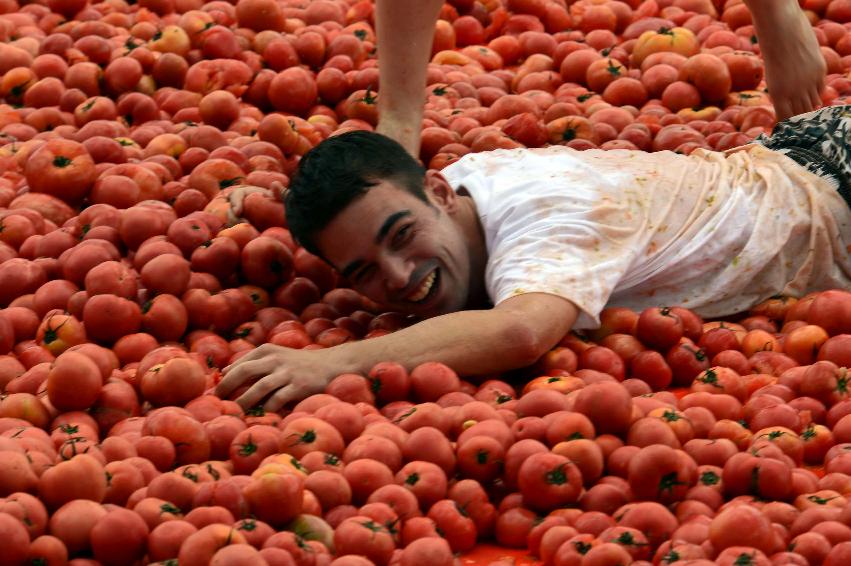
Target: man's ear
{"points": [[440, 192]]}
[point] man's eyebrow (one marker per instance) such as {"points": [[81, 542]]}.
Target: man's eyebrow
{"points": [[388, 224]]}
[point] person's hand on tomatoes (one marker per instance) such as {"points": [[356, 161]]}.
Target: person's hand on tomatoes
{"points": [[794, 66], [280, 375], [236, 197]]}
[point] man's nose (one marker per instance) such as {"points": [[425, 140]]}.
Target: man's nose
{"points": [[397, 273]]}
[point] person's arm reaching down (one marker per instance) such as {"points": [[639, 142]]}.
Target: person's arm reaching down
{"points": [[514, 334], [794, 65], [405, 31]]}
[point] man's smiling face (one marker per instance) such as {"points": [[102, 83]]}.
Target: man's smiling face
{"points": [[406, 254]]}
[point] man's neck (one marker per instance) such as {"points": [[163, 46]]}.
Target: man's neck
{"points": [[474, 235]]}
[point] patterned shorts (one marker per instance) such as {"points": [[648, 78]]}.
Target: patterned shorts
{"points": [[820, 141]]}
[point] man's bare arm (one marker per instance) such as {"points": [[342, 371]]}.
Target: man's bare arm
{"points": [[405, 31], [512, 335], [794, 65]]}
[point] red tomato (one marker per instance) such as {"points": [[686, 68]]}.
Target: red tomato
{"points": [[549, 480], [74, 382], [659, 328], [363, 536], [58, 332]]}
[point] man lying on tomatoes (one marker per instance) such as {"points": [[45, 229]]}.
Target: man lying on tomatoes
{"points": [[502, 253]]}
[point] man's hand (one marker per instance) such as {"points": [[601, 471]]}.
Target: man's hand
{"points": [[237, 196], [794, 65], [284, 373]]}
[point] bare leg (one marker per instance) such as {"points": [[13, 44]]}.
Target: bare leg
{"points": [[405, 30]]}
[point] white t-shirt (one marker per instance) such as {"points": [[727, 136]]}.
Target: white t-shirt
{"points": [[710, 232]]}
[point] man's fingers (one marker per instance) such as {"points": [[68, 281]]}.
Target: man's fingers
{"points": [[257, 353], [240, 373], [235, 199], [262, 388], [280, 398]]}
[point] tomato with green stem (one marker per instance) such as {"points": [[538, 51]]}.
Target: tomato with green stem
{"points": [[661, 473], [548, 481], [454, 524], [363, 536], [659, 328], [58, 332], [686, 361], [250, 446], [307, 434]]}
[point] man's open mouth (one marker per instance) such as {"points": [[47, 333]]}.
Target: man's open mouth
{"points": [[427, 288]]}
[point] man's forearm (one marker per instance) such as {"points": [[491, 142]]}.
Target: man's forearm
{"points": [[405, 31], [471, 342]]}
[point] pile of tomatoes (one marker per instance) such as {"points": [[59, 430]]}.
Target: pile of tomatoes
{"points": [[126, 284]]}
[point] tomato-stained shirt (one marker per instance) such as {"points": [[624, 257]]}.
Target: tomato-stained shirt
{"points": [[712, 232]]}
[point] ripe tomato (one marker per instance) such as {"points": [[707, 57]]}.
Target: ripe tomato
{"points": [[74, 382], [58, 332], [677, 40], [661, 473], [61, 168], [200, 547], [549, 480], [659, 328], [81, 477], [306, 434]]}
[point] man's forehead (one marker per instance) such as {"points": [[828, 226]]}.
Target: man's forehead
{"points": [[366, 221]]}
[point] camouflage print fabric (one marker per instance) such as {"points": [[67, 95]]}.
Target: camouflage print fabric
{"points": [[820, 141]]}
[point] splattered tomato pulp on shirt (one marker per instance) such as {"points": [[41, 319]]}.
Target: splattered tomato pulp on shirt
{"points": [[716, 234]]}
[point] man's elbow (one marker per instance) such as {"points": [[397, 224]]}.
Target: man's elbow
{"points": [[524, 344]]}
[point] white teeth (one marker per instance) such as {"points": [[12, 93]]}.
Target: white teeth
{"points": [[421, 293]]}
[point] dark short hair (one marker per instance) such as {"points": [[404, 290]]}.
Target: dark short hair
{"points": [[338, 170]]}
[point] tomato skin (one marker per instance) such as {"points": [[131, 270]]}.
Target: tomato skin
{"points": [[109, 317], [480, 458], [252, 445], [659, 328], [686, 361], [175, 382], [761, 477], [661, 473], [59, 332], [17, 541], [742, 526], [275, 498], [817, 439], [185, 433], [307, 434], [74, 382], [361, 535], [603, 359], [61, 163], [549, 480], [89, 481], [119, 537], [451, 519], [607, 405], [200, 547]]}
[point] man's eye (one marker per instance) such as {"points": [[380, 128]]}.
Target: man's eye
{"points": [[364, 274], [402, 235]]}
